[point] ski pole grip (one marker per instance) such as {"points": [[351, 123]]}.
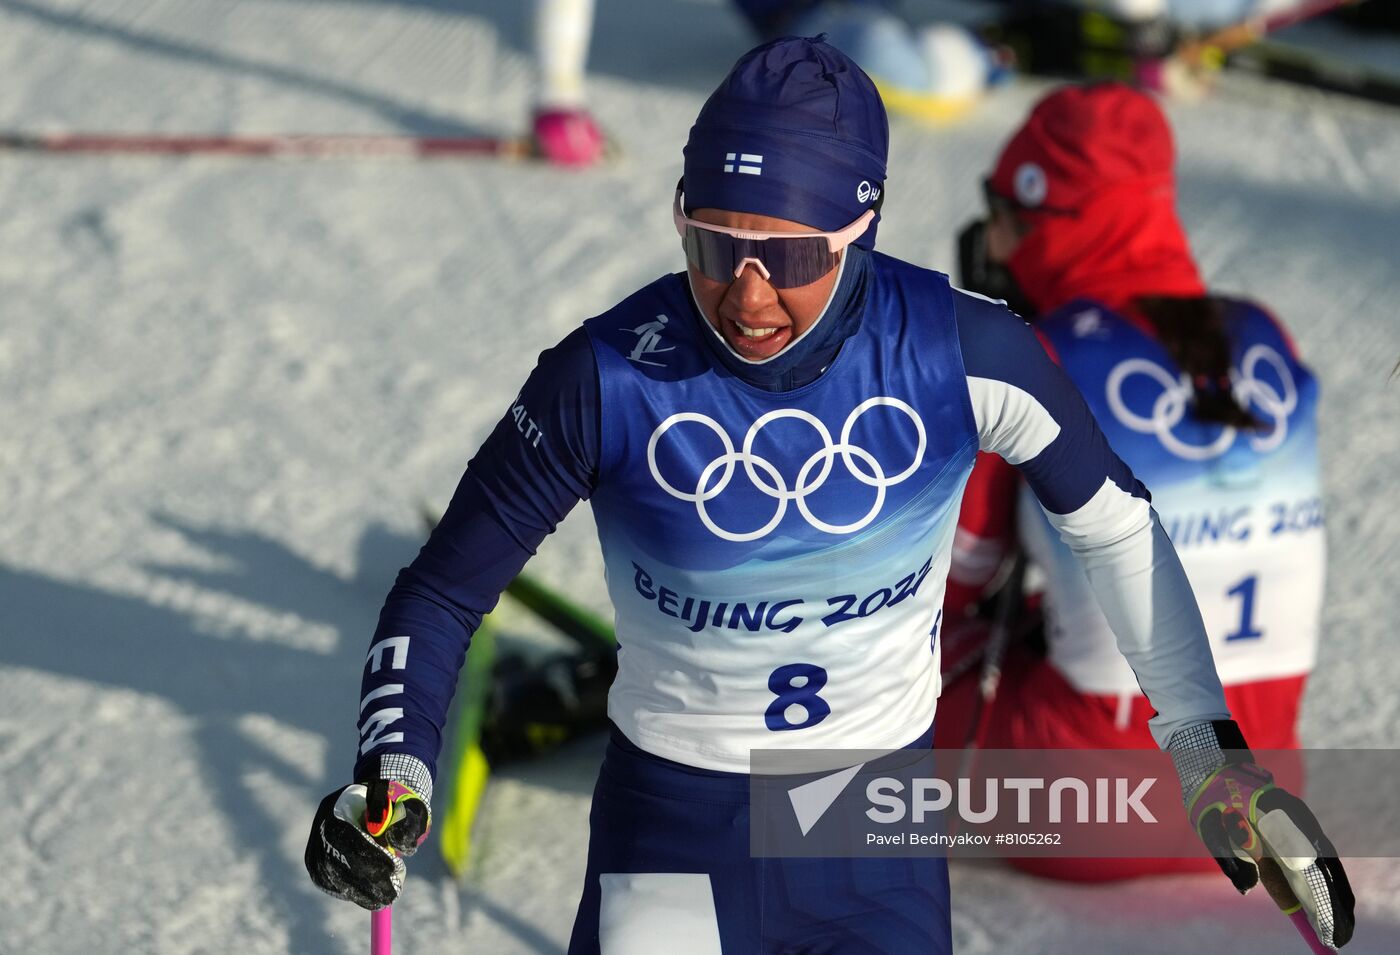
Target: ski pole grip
{"points": [[1275, 883]]}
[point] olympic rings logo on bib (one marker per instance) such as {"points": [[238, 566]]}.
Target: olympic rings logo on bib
{"points": [[1169, 408], [716, 476]]}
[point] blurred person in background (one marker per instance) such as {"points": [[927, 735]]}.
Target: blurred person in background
{"points": [[1196, 14], [564, 131], [1136, 40], [931, 71], [1203, 395]]}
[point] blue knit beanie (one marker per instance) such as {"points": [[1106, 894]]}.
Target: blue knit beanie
{"points": [[796, 131]]}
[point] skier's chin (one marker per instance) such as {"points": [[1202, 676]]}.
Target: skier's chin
{"points": [[755, 349]]}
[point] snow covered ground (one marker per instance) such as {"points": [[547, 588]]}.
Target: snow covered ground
{"points": [[226, 385]]}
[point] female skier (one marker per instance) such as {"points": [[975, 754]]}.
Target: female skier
{"points": [[1205, 398]]}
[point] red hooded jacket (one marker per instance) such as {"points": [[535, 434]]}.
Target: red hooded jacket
{"points": [[1091, 173]]}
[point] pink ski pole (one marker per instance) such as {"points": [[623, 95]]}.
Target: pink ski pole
{"points": [[1305, 929], [381, 921], [1282, 895], [381, 931]]}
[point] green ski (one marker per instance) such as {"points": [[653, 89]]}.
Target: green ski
{"points": [[467, 767]]}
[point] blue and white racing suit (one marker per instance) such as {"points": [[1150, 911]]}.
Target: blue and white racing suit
{"points": [[776, 540]]}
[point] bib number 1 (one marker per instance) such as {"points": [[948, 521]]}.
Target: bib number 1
{"points": [[797, 705], [1247, 629]]}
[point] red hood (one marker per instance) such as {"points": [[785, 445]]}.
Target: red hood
{"points": [[1124, 243], [1091, 172]]}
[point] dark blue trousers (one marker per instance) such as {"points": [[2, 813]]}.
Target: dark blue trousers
{"points": [[669, 872]]}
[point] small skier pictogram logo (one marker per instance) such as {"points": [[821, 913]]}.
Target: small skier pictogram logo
{"points": [[649, 341]]}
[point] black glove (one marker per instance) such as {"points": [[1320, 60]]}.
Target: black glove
{"points": [[359, 838], [977, 273], [1259, 832]]}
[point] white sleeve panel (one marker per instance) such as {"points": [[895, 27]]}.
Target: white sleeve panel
{"points": [[1010, 422], [1143, 590]]}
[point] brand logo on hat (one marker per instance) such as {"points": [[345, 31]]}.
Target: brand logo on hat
{"points": [[865, 192], [749, 164], [1030, 184]]}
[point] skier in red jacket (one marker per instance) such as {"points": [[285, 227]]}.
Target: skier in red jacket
{"points": [[1202, 395]]}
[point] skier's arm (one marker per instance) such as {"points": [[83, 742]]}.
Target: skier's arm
{"points": [[1029, 412], [531, 471], [540, 460]]}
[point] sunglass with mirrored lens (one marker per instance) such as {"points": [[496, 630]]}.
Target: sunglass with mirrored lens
{"points": [[785, 259]]}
